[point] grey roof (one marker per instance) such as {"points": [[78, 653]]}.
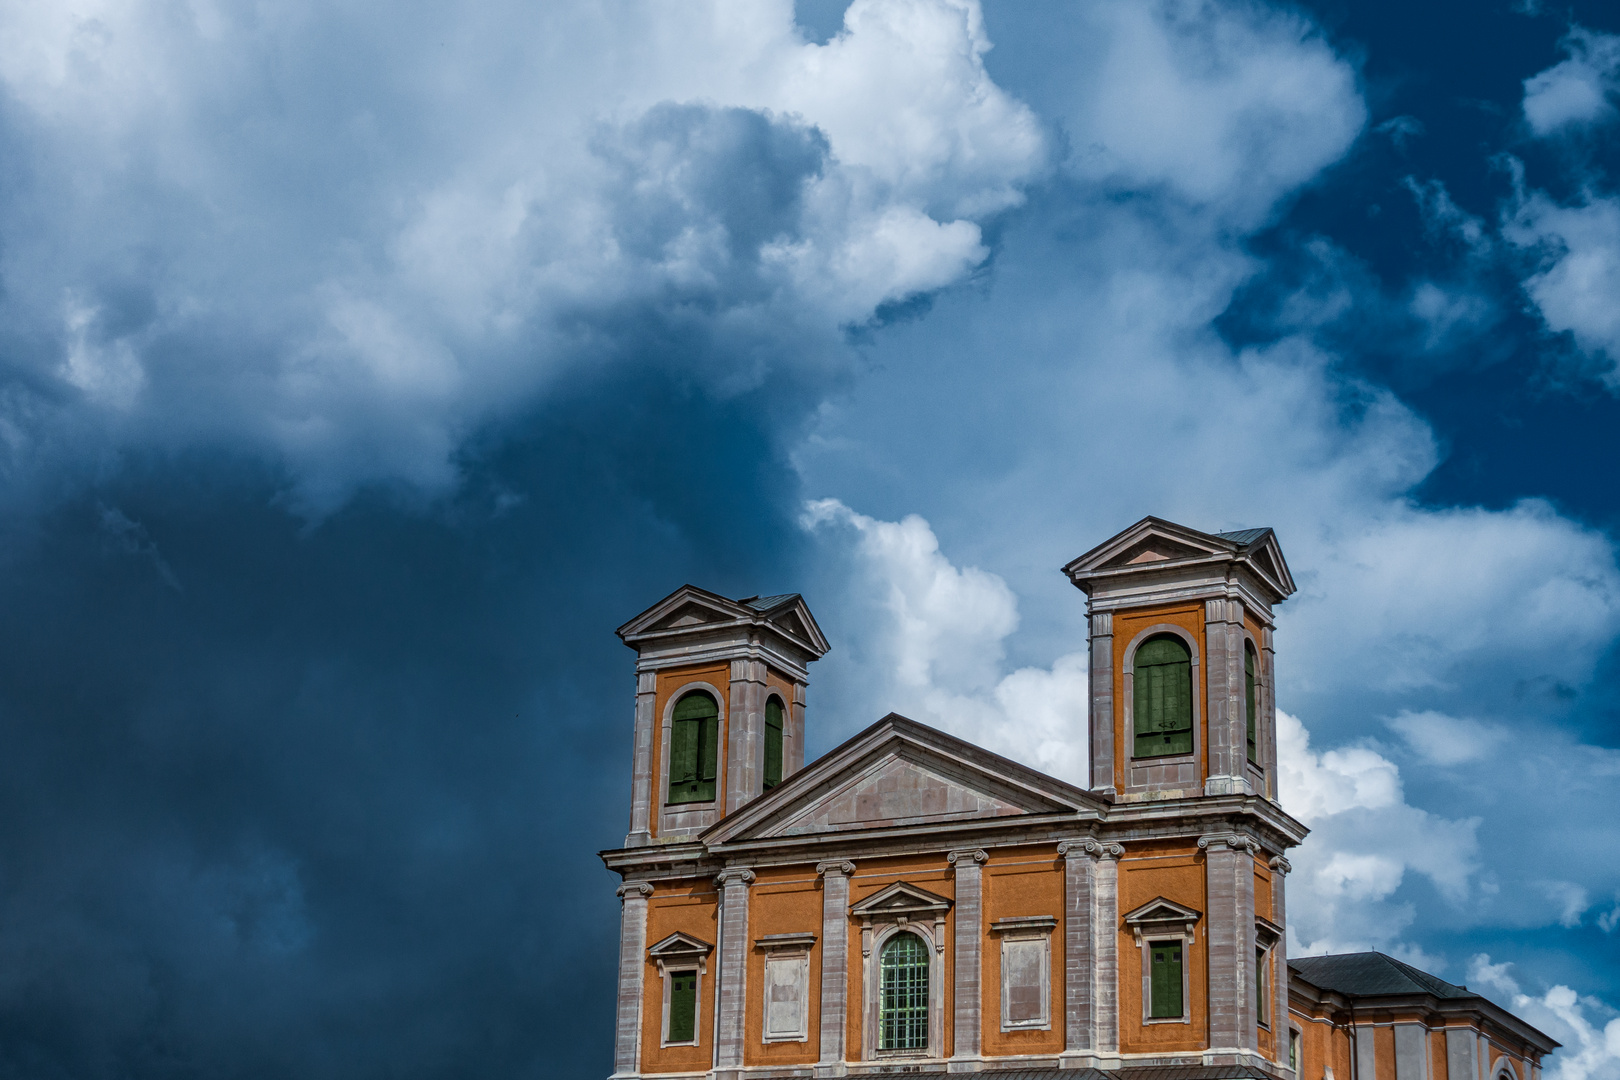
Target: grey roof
{"points": [[1370, 974], [766, 603], [1244, 537]]}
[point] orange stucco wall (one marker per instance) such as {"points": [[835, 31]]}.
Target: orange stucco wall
{"points": [[783, 900], [1127, 625], [1018, 882], [691, 908], [1174, 871], [1322, 1046], [718, 676]]}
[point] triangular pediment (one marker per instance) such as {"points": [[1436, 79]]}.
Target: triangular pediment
{"points": [[679, 944], [900, 898], [690, 609], [1160, 910], [1153, 543], [899, 774]]}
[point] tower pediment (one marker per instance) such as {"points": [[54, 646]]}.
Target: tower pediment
{"points": [[900, 774], [1154, 545]]}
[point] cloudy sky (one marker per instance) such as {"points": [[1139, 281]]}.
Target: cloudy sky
{"points": [[363, 365]]}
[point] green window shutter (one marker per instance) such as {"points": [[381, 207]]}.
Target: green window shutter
{"points": [[682, 1006], [1164, 977], [694, 732], [1248, 691], [1162, 690], [773, 743]]}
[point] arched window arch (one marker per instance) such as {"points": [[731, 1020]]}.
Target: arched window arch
{"points": [[1249, 668], [1162, 690], [903, 1005], [773, 742], [694, 737]]}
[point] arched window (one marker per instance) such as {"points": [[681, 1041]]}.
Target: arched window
{"points": [[773, 742], [1248, 697], [692, 743], [1162, 688], [903, 1008]]}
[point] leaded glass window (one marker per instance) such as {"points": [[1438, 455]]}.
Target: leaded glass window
{"points": [[903, 1001], [1162, 689], [694, 735]]}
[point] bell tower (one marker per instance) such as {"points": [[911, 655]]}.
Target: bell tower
{"points": [[720, 693], [1182, 682]]}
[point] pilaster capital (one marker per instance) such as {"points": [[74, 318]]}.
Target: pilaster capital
{"points": [[1281, 865], [1102, 624], [977, 855], [642, 889], [734, 876], [835, 866], [1234, 841], [1090, 847]]}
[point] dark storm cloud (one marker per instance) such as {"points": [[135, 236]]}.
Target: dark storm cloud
{"points": [[330, 806]]}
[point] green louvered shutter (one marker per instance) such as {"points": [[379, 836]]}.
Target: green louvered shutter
{"points": [[1162, 688], [1248, 691], [682, 1006], [695, 731], [773, 743], [1164, 978]]}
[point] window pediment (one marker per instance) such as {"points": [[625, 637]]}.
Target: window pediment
{"points": [[1162, 917], [679, 946], [901, 900]]}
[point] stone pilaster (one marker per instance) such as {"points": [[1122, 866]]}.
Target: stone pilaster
{"points": [[1461, 1053], [1280, 869], [1229, 871], [641, 766], [1267, 721], [968, 957], [745, 733], [1227, 722], [1090, 953], [1102, 702], [1411, 1051], [793, 748], [632, 966], [731, 987], [834, 964], [1366, 1056]]}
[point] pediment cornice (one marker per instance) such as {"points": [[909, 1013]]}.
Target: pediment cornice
{"points": [[1154, 546]]}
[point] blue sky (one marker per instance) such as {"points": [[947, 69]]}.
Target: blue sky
{"points": [[361, 367]]}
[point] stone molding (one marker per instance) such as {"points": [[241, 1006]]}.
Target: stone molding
{"points": [[1235, 841], [643, 887], [1097, 849], [968, 994]]}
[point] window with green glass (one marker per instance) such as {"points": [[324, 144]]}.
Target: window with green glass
{"points": [[694, 737], [1162, 690], [1248, 696], [903, 996], [773, 743], [1164, 980], [1293, 1049], [682, 1007]]}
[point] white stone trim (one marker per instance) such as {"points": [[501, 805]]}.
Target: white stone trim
{"points": [[681, 952], [872, 982], [1024, 930]]}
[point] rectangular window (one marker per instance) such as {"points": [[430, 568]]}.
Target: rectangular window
{"points": [[1262, 986], [773, 744], [1164, 979], [1293, 1049], [682, 1007], [1024, 982], [1248, 699], [787, 998]]}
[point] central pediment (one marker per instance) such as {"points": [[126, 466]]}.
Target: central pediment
{"points": [[899, 774]]}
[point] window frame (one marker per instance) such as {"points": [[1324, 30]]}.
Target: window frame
{"points": [[926, 965], [676, 954], [781, 743], [1162, 920], [899, 907], [791, 951], [1024, 930], [1185, 763], [669, 754], [1251, 700], [1136, 735]]}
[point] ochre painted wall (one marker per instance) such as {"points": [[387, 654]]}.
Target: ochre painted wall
{"points": [[718, 676], [689, 907], [783, 900], [1175, 871], [1022, 881], [1127, 625]]}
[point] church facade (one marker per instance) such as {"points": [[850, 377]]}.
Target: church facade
{"points": [[913, 904]]}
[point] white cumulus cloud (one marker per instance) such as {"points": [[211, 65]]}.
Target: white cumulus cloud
{"points": [[1577, 90]]}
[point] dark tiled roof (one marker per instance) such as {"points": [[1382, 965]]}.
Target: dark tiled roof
{"points": [[1243, 537], [1369, 974], [766, 603]]}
